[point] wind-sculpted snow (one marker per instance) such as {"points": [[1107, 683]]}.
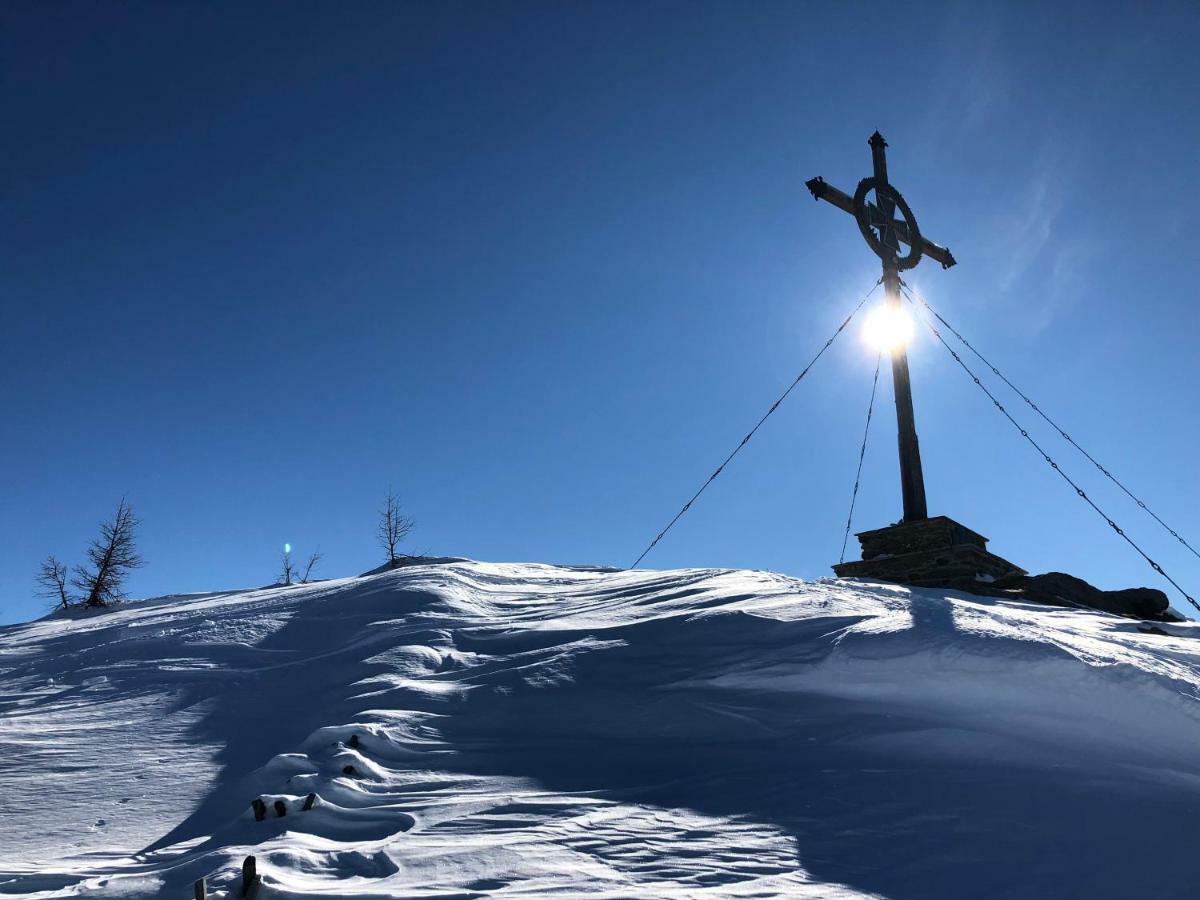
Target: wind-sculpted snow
{"points": [[478, 730]]}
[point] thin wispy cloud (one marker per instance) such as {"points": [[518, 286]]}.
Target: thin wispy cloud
{"points": [[1023, 234], [973, 81], [1042, 262]]}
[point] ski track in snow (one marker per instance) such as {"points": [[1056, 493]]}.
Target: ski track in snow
{"points": [[533, 730]]}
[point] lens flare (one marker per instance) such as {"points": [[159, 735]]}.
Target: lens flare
{"points": [[888, 328]]}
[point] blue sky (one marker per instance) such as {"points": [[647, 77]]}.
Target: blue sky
{"points": [[540, 266]]}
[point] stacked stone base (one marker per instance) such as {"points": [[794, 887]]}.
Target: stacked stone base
{"points": [[933, 568], [936, 552], [940, 552]]}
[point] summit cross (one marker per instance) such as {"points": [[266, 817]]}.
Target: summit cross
{"points": [[884, 233]]}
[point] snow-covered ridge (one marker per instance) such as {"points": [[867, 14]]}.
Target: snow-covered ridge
{"points": [[477, 730]]}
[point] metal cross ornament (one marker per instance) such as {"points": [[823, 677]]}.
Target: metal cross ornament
{"points": [[881, 222], [884, 233]]}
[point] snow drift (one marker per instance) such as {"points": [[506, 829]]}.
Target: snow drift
{"points": [[480, 730]]}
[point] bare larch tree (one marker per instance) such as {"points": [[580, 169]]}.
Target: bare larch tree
{"points": [[288, 572], [310, 565], [394, 527], [52, 582], [112, 556]]}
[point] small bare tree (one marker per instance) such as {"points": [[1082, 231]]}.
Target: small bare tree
{"points": [[310, 565], [394, 527], [52, 582], [288, 572], [112, 556]]}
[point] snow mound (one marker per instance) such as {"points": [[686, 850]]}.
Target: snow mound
{"points": [[484, 730]]}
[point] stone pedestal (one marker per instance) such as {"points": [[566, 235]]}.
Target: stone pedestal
{"points": [[941, 553], [934, 552]]}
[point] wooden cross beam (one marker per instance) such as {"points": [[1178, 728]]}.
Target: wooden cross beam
{"points": [[822, 190], [884, 233]]}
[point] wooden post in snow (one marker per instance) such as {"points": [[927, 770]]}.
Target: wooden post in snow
{"points": [[250, 878]]}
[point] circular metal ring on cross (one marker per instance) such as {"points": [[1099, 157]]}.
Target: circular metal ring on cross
{"points": [[880, 215]]}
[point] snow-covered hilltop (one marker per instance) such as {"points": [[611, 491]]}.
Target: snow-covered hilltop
{"points": [[479, 730]]}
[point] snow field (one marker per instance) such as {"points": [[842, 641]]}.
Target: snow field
{"points": [[529, 730]]}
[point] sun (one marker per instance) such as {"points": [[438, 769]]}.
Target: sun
{"points": [[888, 329]]}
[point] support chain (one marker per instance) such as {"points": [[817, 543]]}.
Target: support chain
{"points": [[1025, 434], [1066, 437], [746, 439], [862, 452]]}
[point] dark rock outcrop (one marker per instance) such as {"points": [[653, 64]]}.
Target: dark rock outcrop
{"points": [[1061, 589]]}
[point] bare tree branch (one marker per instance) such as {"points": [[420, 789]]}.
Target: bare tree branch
{"points": [[52, 582], [393, 528]]}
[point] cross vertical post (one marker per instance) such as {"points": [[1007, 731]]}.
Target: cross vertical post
{"points": [[918, 550], [886, 223], [912, 479]]}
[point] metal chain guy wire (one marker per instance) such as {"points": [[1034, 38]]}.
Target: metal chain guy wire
{"points": [[746, 439], [862, 452], [1066, 437], [1025, 434]]}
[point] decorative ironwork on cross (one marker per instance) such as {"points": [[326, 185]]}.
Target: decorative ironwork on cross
{"points": [[884, 234], [877, 220]]}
